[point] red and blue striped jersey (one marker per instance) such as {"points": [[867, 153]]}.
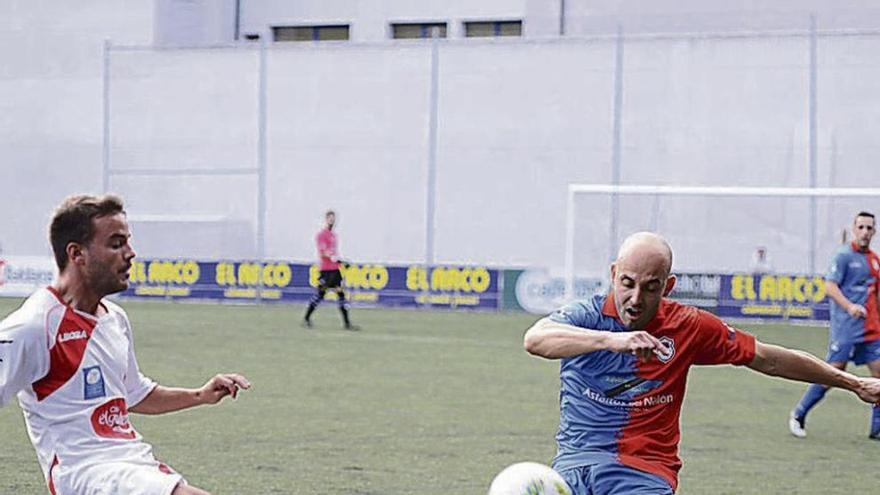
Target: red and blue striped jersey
{"points": [[614, 408], [857, 274]]}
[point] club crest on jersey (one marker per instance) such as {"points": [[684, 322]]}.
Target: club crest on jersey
{"points": [[670, 345], [110, 420], [73, 335], [93, 383]]}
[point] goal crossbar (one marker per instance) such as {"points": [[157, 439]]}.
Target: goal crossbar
{"points": [[648, 190], [658, 190]]}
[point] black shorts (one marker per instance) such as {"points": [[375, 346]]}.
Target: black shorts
{"points": [[330, 279]]}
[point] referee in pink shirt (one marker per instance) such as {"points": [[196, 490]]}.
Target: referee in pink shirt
{"points": [[331, 277]]}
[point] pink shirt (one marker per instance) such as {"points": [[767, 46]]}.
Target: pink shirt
{"points": [[326, 241]]}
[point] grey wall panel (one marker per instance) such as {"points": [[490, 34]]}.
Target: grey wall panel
{"points": [[347, 128], [50, 105], [348, 131]]}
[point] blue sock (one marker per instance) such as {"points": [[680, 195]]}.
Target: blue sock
{"points": [[811, 397], [875, 420]]}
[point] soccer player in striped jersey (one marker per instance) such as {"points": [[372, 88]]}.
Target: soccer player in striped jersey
{"points": [[852, 284], [625, 357], [68, 355]]}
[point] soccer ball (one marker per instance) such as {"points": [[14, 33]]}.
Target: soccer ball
{"points": [[528, 478]]}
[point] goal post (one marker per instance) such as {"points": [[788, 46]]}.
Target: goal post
{"points": [[701, 199]]}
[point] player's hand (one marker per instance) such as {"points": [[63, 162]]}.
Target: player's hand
{"points": [[640, 343], [857, 311], [222, 385], [869, 390]]}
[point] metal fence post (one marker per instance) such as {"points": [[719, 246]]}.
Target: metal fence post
{"points": [[814, 130], [105, 102], [431, 185], [616, 142], [261, 167]]}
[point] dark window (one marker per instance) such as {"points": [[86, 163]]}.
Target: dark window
{"points": [[418, 30], [310, 33], [485, 29]]}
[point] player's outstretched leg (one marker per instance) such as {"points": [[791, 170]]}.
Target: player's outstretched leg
{"points": [[874, 432], [343, 308], [797, 422], [875, 423], [316, 299]]}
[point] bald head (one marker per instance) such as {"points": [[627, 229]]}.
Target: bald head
{"points": [[647, 247], [640, 278]]}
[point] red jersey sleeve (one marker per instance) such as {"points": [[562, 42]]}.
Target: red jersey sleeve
{"points": [[720, 343]]}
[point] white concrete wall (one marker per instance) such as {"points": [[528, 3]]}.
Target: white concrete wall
{"points": [[653, 16], [194, 22], [347, 128], [518, 121], [50, 105], [370, 19]]}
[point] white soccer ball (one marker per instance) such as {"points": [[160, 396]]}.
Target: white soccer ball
{"points": [[528, 478]]}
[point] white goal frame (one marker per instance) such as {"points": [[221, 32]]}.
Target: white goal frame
{"points": [[615, 190]]}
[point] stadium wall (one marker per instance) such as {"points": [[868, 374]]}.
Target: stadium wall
{"points": [[50, 105], [346, 126]]}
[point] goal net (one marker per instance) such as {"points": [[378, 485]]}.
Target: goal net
{"points": [[712, 230]]}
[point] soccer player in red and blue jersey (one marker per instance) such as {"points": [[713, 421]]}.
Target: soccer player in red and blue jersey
{"points": [[852, 283], [625, 358], [330, 278]]}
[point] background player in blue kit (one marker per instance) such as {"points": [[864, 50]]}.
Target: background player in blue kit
{"points": [[852, 284]]}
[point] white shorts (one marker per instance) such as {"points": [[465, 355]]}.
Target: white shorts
{"points": [[116, 478]]}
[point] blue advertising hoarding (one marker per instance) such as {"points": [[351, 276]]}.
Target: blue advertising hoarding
{"points": [[770, 296], [738, 295], [367, 284]]}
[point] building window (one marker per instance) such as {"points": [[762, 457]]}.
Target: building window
{"points": [[310, 33], [492, 28], [418, 30]]}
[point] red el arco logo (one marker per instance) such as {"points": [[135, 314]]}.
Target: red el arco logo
{"points": [[110, 420]]}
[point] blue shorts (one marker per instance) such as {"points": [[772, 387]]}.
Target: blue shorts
{"points": [[614, 479], [859, 353]]}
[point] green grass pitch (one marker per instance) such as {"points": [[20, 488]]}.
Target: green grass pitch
{"points": [[436, 403]]}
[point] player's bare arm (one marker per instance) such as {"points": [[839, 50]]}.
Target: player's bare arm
{"points": [[553, 340], [327, 253], [834, 292], [167, 399], [778, 361], [188, 490]]}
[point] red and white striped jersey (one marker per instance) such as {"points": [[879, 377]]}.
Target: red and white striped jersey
{"points": [[75, 377]]}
